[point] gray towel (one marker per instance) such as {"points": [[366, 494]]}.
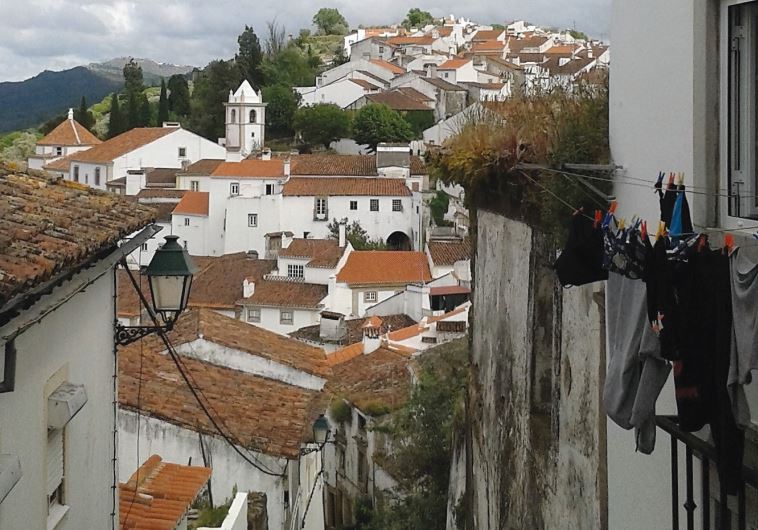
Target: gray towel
{"points": [[636, 371], [744, 357]]}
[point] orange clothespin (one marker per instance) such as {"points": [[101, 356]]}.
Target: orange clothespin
{"points": [[701, 243], [728, 243], [671, 178], [598, 218], [643, 230], [612, 207], [661, 230], [621, 224]]}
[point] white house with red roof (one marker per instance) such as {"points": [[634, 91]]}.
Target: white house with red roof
{"points": [[457, 70], [342, 92], [67, 138]]}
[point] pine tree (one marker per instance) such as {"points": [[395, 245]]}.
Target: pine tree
{"points": [[163, 105], [116, 122], [84, 116], [179, 96]]}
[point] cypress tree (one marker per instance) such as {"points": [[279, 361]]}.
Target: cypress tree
{"points": [[132, 111], [145, 116], [116, 122], [84, 116], [163, 105]]}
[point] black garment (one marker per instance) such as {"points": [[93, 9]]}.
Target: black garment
{"points": [[582, 258], [625, 252], [668, 200]]}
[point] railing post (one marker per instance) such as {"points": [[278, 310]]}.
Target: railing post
{"points": [[674, 485], [689, 503], [705, 498], [741, 520]]}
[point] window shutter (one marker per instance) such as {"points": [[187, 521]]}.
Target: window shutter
{"points": [[54, 460]]}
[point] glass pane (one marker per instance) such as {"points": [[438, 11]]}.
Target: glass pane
{"points": [[167, 292]]}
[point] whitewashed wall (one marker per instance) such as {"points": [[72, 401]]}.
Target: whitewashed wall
{"points": [[270, 319]]}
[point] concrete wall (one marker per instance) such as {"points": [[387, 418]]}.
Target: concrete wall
{"points": [[535, 433], [270, 318], [75, 344], [182, 446]]}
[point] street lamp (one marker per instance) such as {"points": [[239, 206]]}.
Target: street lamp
{"points": [[169, 275], [321, 430]]}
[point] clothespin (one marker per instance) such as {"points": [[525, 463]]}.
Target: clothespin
{"points": [[755, 235], [680, 179], [622, 223], [728, 243], [612, 207], [701, 242], [661, 230], [598, 218], [643, 230], [659, 180], [671, 178]]}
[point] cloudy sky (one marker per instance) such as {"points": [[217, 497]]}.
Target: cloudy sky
{"points": [[56, 34]]}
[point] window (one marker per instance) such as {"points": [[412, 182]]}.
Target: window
{"points": [[253, 314], [252, 116], [285, 318], [252, 220], [742, 119], [58, 151], [144, 247], [194, 185], [186, 246], [97, 176], [234, 116], [397, 205], [353, 205], [381, 49], [374, 206], [295, 271], [186, 221], [234, 188], [269, 189], [76, 173], [320, 208], [369, 296], [182, 152]]}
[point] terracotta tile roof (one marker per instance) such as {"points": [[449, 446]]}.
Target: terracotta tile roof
{"points": [[443, 31], [406, 333], [516, 45], [193, 203], [218, 284], [485, 86], [158, 494], [380, 379], [334, 165], [449, 289], [562, 49], [262, 414], [448, 252], [490, 45], [160, 193], [50, 226], [127, 302], [364, 84], [354, 329], [457, 311], [372, 322], [117, 146], [374, 77], [287, 294], [69, 132], [395, 69], [344, 354], [251, 169], [161, 177], [374, 267], [203, 168], [571, 68], [415, 94], [537, 58], [502, 62], [487, 35], [453, 64], [409, 41], [62, 164], [323, 253], [396, 100], [344, 186], [443, 85]]}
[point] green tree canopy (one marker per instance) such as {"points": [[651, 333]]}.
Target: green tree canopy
{"points": [[52, 123], [179, 96], [291, 66], [133, 81], [116, 122], [249, 57], [212, 87], [322, 124], [162, 105], [83, 115], [417, 18], [376, 123], [283, 103], [20, 148], [355, 234], [330, 21]]}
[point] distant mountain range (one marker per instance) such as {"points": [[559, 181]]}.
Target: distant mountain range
{"points": [[29, 103]]}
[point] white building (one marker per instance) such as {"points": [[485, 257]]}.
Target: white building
{"points": [[458, 70], [169, 146], [342, 92], [259, 387], [67, 138], [245, 123], [57, 350]]}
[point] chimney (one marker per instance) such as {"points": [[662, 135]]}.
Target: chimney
{"points": [[70, 114], [343, 235], [432, 71], [266, 154], [287, 167], [371, 340], [248, 287]]}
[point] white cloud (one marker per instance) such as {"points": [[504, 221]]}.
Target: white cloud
{"points": [[56, 34]]}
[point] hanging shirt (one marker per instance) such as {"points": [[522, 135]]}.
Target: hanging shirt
{"points": [[636, 372], [581, 261]]}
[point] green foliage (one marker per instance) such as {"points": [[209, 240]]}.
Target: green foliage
{"points": [[179, 96], [375, 123], [283, 103], [162, 105], [438, 207], [292, 66], [498, 26], [330, 21], [117, 121], [51, 124], [419, 120], [84, 116], [417, 18], [209, 516], [212, 88], [340, 411], [133, 81], [249, 57], [356, 235], [17, 147], [578, 35], [321, 124]]}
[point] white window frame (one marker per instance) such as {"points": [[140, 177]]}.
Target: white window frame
{"points": [[371, 204], [353, 205], [253, 314], [194, 185], [270, 189], [739, 160], [58, 151], [252, 220], [370, 297], [295, 271], [234, 189], [56, 499], [182, 152], [397, 205], [186, 221], [286, 321], [321, 207]]}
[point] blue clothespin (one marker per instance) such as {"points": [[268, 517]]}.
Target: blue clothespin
{"points": [[755, 235]]}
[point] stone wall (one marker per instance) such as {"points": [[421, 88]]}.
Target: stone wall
{"points": [[534, 451]]}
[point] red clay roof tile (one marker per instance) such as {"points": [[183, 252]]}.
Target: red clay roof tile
{"points": [[69, 132], [117, 146], [193, 203], [342, 186], [375, 267]]}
